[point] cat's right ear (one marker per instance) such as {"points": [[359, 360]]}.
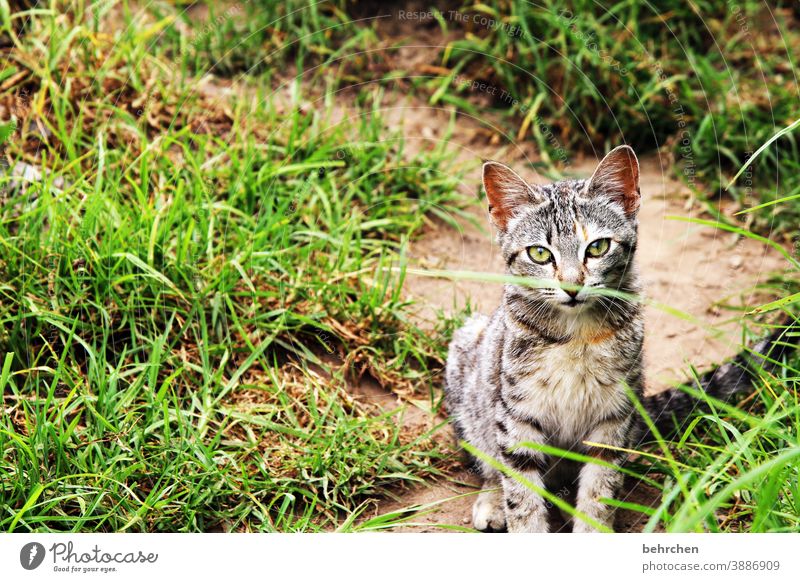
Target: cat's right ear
{"points": [[506, 192], [617, 178]]}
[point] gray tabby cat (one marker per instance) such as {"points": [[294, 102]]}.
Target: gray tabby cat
{"points": [[551, 364]]}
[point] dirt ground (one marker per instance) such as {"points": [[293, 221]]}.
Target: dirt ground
{"points": [[688, 267]]}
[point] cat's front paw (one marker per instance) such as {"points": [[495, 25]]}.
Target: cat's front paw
{"points": [[487, 513], [580, 526], [535, 522]]}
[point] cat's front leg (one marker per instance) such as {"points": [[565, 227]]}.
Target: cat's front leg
{"points": [[596, 482], [526, 510]]}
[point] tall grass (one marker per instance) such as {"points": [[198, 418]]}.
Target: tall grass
{"points": [[709, 81], [188, 292]]}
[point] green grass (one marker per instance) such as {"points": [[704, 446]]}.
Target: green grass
{"points": [[176, 288], [191, 292], [709, 81], [735, 468], [230, 39], [739, 466]]}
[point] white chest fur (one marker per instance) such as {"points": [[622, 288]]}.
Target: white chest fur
{"points": [[571, 388]]}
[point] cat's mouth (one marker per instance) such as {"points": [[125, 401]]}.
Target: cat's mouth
{"points": [[573, 302]]}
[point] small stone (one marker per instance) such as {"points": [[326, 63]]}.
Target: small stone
{"points": [[736, 261]]}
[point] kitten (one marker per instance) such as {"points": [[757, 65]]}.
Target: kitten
{"points": [[551, 364]]}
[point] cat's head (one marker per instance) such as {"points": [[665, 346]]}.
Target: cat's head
{"points": [[577, 235]]}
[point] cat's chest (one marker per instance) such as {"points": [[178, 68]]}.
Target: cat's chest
{"points": [[570, 387]]}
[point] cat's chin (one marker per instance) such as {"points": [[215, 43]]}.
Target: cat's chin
{"points": [[578, 315], [573, 307]]}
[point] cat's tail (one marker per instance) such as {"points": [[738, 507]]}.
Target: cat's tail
{"points": [[670, 409]]}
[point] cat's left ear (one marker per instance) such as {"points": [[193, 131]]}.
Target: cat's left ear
{"points": [[506, 192], [617, 177]]}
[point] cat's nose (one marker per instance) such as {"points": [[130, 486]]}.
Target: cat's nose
{"points": [[571, 292]]}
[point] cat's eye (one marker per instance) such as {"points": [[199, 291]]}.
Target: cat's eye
{"points": [[539, 255], [598, 248]]}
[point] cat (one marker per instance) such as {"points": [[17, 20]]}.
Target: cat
{"points": [[554, 362]]}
